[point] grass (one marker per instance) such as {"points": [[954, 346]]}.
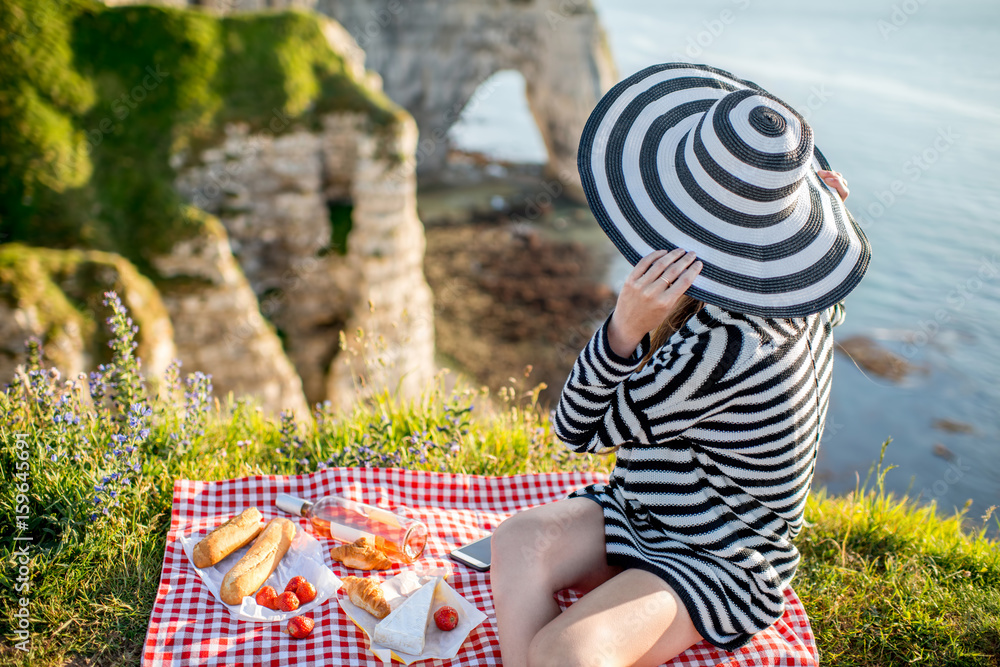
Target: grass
{"points": [[885, 581], [888, 582]]}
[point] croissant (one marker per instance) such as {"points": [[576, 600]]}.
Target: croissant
{"points": [[364, 554], [367, 594]]}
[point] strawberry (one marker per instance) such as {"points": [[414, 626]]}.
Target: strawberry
{"points": [[267, 597], [294, 584], [306, 592], [446, 618], [288, 601], [300, 626]]}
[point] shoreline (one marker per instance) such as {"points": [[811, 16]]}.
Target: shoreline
{"points": [[494, 317], [480, 219], [511, 290]]}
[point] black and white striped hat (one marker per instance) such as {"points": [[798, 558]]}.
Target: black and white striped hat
{"points": [[689, 156]]}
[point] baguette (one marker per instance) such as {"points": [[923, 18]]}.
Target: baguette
{"points": [[259, 562], [367, 594], [227, 538]]}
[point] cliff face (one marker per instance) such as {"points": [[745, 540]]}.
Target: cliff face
{"points": [[324, 226], [56, 296], [268, 121], [218, 327], [434, 55]]}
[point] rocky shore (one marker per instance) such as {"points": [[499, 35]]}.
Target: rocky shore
{"points": [[515, 282], [520, 277]]}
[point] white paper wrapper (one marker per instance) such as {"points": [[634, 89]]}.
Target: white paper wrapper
{"points": [[304, 557], [437, 643]]}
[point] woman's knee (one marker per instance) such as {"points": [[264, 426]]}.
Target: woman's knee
{"points": [[551, 648], [538, 534], [515, 539]]}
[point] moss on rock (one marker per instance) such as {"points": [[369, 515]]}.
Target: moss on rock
{"points": [[104, 97], [43, 151], [26, 285], [63, 289]]}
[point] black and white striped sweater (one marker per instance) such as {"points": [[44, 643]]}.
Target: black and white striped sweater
{"points": [[718, 436]]}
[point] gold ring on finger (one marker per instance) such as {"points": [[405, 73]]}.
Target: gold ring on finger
{"points": [[664, 280]]}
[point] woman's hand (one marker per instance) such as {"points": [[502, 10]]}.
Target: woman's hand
{"points": [[836, 181], [650, 293]]}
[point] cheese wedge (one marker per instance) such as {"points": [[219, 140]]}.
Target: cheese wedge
{"points": [[404, 629]]}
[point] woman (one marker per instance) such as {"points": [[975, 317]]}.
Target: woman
{"points": [[743, 253]]}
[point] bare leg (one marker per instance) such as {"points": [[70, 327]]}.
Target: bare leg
{"points": [[536, 553], [634, 618]]}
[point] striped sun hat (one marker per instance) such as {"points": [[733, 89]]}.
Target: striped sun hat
{"points": [[689, 156]]}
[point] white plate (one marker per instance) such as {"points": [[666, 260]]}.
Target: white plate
{"points": [[304, 557]]}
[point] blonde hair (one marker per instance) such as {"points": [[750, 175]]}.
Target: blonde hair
{"points": [[686, 308]]}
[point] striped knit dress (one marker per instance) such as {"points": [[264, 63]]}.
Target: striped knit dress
{"points": [[718, 435]]}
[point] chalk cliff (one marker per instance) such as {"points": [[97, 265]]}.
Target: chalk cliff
{"points": [[324, 226], [56, 296], [210, 302], [433, 55], [246, 168]]}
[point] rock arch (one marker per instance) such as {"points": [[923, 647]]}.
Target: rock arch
{"points": [[434, 55], [500, 101]]}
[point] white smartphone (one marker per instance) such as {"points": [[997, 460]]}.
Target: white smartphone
{"points": [[475, 554]]}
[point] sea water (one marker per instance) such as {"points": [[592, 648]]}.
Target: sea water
{"points": [[904, 99]]}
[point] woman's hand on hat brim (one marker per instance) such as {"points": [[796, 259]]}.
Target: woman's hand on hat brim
{"points": [[836, 181], [649, 295]]}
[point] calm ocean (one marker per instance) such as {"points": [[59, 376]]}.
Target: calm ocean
{"points": [[904, 98]]}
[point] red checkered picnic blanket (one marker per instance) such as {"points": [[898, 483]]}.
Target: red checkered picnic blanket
{"points": [[188, 626]]}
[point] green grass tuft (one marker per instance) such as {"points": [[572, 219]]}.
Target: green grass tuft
{"points": [[887, 581]]}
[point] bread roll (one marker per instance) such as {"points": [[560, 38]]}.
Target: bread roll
{"points": [[362, 555], [367, 594], [227, 538], [259, 562]]}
